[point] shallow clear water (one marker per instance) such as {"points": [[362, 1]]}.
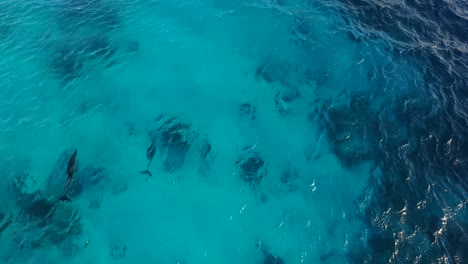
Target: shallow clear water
{"points": [[233, 131]]}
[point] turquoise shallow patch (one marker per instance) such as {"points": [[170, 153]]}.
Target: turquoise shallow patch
{"points": [[221, 132]]}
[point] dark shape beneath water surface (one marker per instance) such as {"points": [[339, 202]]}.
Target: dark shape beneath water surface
{"points": [[268, 256], [251, 166], [173, 139], [247, 110], [97, 47], [66, 64], [118, 249], [39, 208]]}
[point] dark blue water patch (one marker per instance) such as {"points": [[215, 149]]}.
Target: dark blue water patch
{"points": [[419, 153], [408, 173], [433, 20], [417, 140], [446, 82], [437, 23], [403, 186], [455, 238], [351, 129]]}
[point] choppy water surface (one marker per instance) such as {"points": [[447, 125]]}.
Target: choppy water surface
{"points": [[271, 131]]}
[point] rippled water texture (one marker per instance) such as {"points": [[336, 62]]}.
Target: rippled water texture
{"points": [[244, 131]]}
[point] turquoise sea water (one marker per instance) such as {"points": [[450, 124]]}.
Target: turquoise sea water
{"points": [[271, 132]]}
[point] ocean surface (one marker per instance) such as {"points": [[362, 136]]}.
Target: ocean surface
{"points": [[233, 131]]}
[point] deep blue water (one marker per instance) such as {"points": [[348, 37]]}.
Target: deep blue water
{"points": [[243, 131]]}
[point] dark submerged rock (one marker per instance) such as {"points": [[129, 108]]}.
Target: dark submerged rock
{"points": [[316, 77], [288, 175], [248, 111], [281, 105], [272, 259], [97, 47], [273, 71], [39, 208], [118, 250], [133, 46], [176, 156], [251, 166], [268, 256], [352, 131], [173, 140], [146, 172], [261, 73], [289, 95], [66, 63], [130, 128]]}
